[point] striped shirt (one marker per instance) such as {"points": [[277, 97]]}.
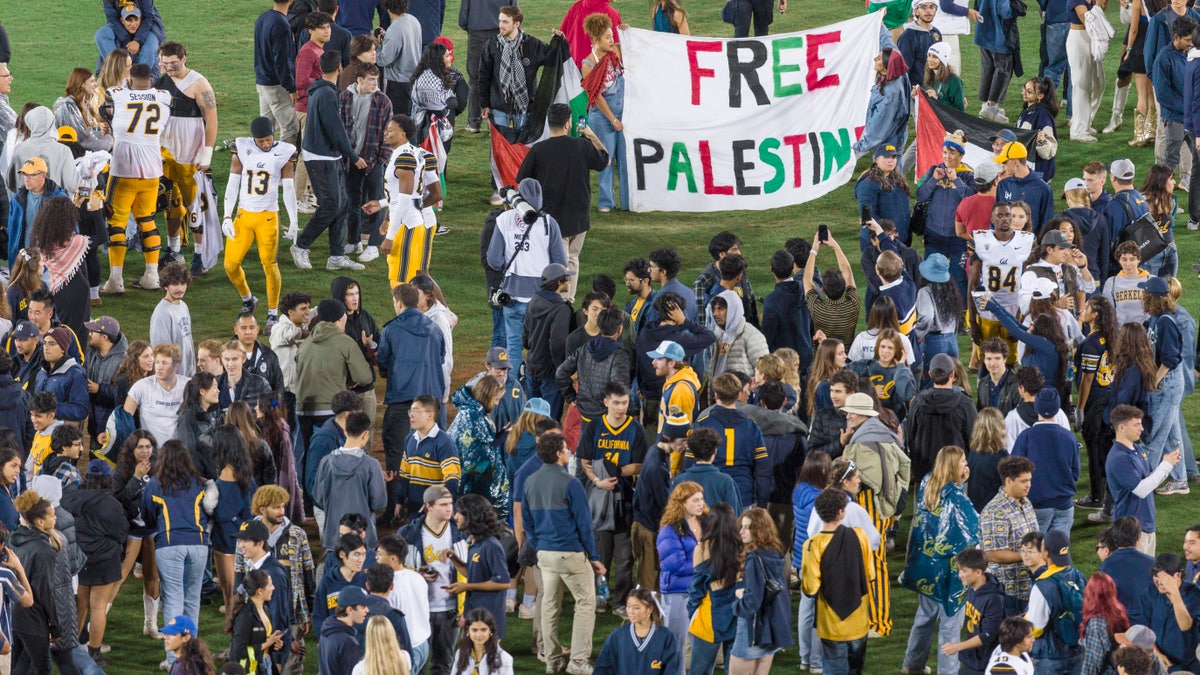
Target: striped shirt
{"points": [[837, 318]]}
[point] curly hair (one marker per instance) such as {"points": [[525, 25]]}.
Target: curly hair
{"points": [[173, 467], [432, 60], [126, 459], [763, 533], [674, 513], [596, 24], [479, 518], [54, 225]]}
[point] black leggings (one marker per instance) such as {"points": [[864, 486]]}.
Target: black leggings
{"points": [[31, 654]]}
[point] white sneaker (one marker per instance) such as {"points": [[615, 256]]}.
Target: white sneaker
{"points": [[114, 286], [355, 249], [305, 206], [300, 257], [164, 666], [341, 262], [368, 254], [148, 282], [579, 668], [496, 199], [524, 612], [1086, 138]]}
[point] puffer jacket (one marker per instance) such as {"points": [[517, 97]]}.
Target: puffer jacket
{"points": [[675, 558], [17, 204], [248, 389], [51, 599], [879, 455], [67, 381], [482, 460], [747, 347], [103, 370], [825, 428], [43, 142], [597, 363]]}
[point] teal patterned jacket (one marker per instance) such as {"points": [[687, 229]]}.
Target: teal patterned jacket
{"points": [[935, 539]]}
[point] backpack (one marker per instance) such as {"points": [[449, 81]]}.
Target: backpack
{"points": [[1069, 585]]}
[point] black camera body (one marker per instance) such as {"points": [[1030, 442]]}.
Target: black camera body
{"points": [[499, 298]]}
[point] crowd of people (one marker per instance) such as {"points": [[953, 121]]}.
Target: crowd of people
{"points": [[684, 460]]}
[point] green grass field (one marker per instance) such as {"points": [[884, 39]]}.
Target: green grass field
{"points": [[52, 36]]}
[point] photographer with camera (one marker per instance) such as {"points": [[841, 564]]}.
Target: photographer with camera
{"points": [[564, 161], [524, 242]]}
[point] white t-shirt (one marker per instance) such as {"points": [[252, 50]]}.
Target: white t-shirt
{"points": [[410, 594], [856, 516], [431, 544], [863, 347], [158, 408]]}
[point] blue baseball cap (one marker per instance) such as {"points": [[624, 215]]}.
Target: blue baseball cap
{"points": [[668, 350], [352, 596], [1155, 286], [537, 405], [179, 625]]}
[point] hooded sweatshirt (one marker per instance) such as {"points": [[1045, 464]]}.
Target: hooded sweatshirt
{"points": [[43, 142], [338, 650], [444, 320], [543, 246], [1097, 243], [1032, 190], [937, 418], [358, 322], [349, 481], [103, 370], [411, 353], [548, 322], [914, 44], [984, 613], [327, 362], [786, 321], [597, 363]]}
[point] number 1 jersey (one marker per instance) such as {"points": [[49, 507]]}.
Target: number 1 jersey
{"points": [[139, 116]]}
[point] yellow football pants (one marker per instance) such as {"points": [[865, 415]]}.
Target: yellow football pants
{"points": [[991, 328], [139, 196], [410, 254], [183, 182], [251, 226]]}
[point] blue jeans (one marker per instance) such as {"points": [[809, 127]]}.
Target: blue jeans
{"points": [[514, 326], [328, 180], [1056, 52], [1165, 264], [106, 41], [614, 142], [934, 344], [1068, 666], [843, 658], [932, 616], [704, 655], [676, 620], [181, 569], [545, 388], [420, 655], [498, 332], [1189, 458], [808, 642], [1163, 409], [503, 119], [1056, 519]]}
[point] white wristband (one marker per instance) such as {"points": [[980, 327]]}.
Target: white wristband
{"points": [[205, 157]]}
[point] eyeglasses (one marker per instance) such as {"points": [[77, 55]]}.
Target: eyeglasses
{"points": [[849, 472]]}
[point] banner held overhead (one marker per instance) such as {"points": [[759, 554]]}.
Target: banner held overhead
{"points": [[744, 124]]}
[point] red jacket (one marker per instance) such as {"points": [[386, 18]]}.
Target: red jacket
{"points": [[308, 70]]}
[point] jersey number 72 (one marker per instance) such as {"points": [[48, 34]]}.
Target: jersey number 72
{"points": [[153, 114]]}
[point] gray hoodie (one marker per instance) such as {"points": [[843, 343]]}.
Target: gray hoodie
{"points": [[43, 142], [544, 245], [349, 481]]}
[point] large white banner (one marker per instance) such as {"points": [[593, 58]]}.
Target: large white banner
{"points": [[753, 123]]}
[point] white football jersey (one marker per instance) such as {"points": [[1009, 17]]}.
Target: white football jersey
{"points": [[139, 116], [407, 157], [1001, 263], [261, 174]]}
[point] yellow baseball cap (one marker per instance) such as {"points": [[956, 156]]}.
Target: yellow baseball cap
{"points": [[1013, 150], [68, 135], [34, 165]]}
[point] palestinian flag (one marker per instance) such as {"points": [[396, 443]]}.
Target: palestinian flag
{"points": [[936, 119], [560, 82]]}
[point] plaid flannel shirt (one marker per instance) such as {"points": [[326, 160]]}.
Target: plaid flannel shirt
{"points": [[375, 151], [292, 551]]}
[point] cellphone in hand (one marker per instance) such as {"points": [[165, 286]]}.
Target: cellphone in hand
{"points": [[582, 123], [864, 215], [822, 233]]}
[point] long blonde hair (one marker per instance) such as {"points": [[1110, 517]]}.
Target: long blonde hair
{"points": [[791, 361], [381, 654], [945, 471], [989, 436], [526, 423], [113, 73]]}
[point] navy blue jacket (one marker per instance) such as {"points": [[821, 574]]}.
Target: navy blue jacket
{"points": [[984, 612], [1032, 190], [1191, 96], [338, 650], [274, 51], [743, 457], [176, 516], [1126, 206], [324, 132], [914, 44], [893, 204], [327, 438], [1156, 612], [411, 351], [324, 608], [152, 23], [1168, 77], [786, 321], [1124, 469], [378, 606], [1158, 34], [1039, 351], [774, 619], [14, 412], [1097, 241], [1055, 452], [555, 511], [990, 34], [652, 489], [718, 486], [944, 201], [1167, 341], [1130, 570], [1038, 117], [67, 381]]}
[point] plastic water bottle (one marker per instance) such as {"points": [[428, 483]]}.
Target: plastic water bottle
{"points": [[602, 588]]}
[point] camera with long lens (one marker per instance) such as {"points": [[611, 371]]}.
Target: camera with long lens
{"points": [[515, 201]]}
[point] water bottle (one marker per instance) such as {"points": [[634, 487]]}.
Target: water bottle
{"points": [[602, 589]]}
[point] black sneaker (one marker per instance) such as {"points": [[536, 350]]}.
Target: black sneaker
{"points": [[197, 269], [167, 256], [248, 306], [1090, 503]]}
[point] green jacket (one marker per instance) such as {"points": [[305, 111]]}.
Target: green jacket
{"points": [[329, 362], [950, 92]]}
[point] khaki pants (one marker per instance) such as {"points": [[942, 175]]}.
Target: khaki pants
{"points": [[275, 102], [572, 570], [370, 407], [295, 662], [573, 246], [301, 171], [645, 556]]}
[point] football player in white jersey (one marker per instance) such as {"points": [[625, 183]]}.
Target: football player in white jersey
{"points": [[187, 139], [259, 166], [996, 259], [413, 188], [137, 114]]}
